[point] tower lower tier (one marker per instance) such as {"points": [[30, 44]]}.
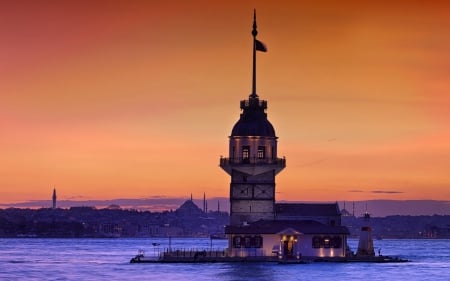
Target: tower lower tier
{"points": [[246, 211]]}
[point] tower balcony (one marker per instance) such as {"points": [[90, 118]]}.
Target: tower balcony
{"points": [[255, 103], [252, 165]]}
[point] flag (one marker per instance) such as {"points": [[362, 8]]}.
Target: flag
{"points": [[259, 46]]}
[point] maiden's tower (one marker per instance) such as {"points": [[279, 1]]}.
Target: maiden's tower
{"points": [[258, 225]]}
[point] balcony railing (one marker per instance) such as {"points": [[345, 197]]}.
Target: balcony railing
{"points": [[252, 161], [253, 103]]}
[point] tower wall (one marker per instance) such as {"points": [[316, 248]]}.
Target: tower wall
{"points": [[252, 197], [254, 143]]}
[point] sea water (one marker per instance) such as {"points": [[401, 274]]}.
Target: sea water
{"points": [[108, 259]]}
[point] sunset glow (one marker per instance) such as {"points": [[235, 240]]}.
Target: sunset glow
{"points": [[135, 99]]}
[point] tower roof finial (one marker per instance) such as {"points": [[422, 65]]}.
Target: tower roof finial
{"points": [[257, 46], [254, 31]]}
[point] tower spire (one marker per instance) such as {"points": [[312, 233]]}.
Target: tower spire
{"points": [[254, 33], [257, 46]]}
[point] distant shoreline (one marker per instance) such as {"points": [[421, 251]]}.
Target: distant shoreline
{"points": [[376, 207]]}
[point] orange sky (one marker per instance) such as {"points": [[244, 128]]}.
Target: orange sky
{"points": [[132, 99]]}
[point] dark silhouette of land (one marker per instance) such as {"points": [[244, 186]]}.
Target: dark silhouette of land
{"points": [[186, 221], [376, 208], [402, 227]]}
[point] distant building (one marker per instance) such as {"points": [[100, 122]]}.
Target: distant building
{"points": [[188, 210], [113, 207], [258, 225], [345, 212]]}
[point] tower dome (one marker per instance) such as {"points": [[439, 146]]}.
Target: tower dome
{"points": [[253, 120]]}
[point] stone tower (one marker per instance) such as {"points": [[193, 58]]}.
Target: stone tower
{"points": [[252, 162]]}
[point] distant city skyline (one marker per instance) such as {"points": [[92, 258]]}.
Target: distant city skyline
{"points": [[377, 208], [113, 99]]}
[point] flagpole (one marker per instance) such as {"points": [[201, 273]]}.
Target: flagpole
{"points": [[254, 33]]}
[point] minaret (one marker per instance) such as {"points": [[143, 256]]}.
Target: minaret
{"points": [[204, 202], [252, 162], [54, 198]]}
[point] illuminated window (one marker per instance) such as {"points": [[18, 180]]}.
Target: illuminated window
{"points": [[327, 242], [245, 153], [261, 152]]}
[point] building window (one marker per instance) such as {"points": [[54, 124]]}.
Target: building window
{"points": [[326, 242], [257, 242], [237, 242], [316, 241], [247, 242], [261, 152], [245, 153], [337, 242]]}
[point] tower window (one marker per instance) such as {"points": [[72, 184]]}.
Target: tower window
{"points": [[245, 153], [261, 152]]}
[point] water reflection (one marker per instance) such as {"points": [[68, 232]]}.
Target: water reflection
{"points": [[108, 259]]}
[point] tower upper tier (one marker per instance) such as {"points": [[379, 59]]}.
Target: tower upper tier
{"points": [[253, 119]]}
